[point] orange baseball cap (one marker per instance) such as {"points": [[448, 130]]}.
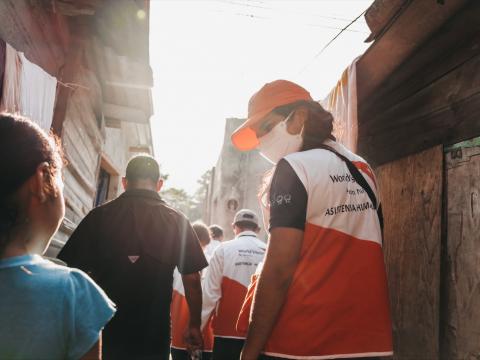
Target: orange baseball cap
{"points": [[270, 96]]}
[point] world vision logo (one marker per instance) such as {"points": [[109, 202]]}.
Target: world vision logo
{"points": [[133, 258]]}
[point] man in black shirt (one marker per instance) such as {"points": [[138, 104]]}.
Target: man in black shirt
{"points": [[130, 246]]}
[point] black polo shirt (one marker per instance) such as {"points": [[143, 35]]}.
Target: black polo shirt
{"points": [[130, 246]]}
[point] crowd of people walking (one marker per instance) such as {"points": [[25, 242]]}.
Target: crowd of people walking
{"points": [[142, 282]]}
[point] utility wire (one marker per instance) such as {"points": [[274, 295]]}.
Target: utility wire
{"points": [[337, 28], [239, 3], [332, 40], [244, 4], [252, 15]]}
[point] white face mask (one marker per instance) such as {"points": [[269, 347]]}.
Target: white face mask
{"points": [[278, 143]]}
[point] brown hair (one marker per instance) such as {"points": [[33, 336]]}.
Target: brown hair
{"points": [[23, 146], [202, 232], [216, 231], [318, 126]]}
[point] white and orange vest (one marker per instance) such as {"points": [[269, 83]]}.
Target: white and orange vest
{"points": [[180, 316], [210, 248], [337, 305], [226, 281]]}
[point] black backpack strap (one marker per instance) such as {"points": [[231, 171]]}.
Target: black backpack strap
{"points": [[360, 179]]}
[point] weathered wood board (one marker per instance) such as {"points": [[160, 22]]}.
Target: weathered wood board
{"points": [[434, 115], [411, 191], [432, 98], [461, 312]]}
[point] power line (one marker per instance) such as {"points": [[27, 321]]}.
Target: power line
{"points": [[243, 4], [249, 15], [332, 40], [337, 28], [239, 3], [252, 15]]}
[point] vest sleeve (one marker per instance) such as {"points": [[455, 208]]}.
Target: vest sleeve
{"points": [[212, 285], [288, 198]]}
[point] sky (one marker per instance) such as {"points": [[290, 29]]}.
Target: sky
{"points": [[209, 57]]}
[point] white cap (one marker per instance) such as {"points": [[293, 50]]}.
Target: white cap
{"points": [[246, 215]]}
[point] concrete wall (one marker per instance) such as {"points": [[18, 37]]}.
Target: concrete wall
{"points": [[237, 179], [122, 143]]}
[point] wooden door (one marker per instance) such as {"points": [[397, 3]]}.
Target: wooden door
{"points": [[461, 309], [411, 194]]}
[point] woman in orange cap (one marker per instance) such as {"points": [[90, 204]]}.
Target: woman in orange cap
{"points": [[322, 292]]}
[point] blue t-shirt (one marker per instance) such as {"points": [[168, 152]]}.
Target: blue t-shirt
{"points": [[48, 311]]}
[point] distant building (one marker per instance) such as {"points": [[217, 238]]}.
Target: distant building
{"points": [[235, 184], [81, 68]]}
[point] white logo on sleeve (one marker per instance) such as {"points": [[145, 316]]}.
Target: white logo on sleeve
{"points": [[282, 199], [133, 258]]}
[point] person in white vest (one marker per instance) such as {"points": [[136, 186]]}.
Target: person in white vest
{"points": [[322, 292], [216, 232], [179, 311], [225, 285], [216, 238]]}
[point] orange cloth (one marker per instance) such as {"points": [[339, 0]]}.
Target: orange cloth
{"points": [[244, 316], [180, 317]]}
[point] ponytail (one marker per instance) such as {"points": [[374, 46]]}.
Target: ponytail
{"points": [[318, 127]]}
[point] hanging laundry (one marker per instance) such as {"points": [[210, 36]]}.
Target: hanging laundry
{"points": [[28, 89], [10, 101], [342, 103]]}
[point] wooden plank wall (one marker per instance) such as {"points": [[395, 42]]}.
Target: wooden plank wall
{"points": [[411, 193], [461, 305], [36, 29], [83, 143], [432, 243], [432, 98]]}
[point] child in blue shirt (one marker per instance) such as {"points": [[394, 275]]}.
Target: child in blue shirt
{"points": [[47, 311]]}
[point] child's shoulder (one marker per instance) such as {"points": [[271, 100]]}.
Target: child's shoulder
{"points": [[58, 274]]}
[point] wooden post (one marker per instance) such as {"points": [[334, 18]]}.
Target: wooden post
{"points": [[73, 60]]}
